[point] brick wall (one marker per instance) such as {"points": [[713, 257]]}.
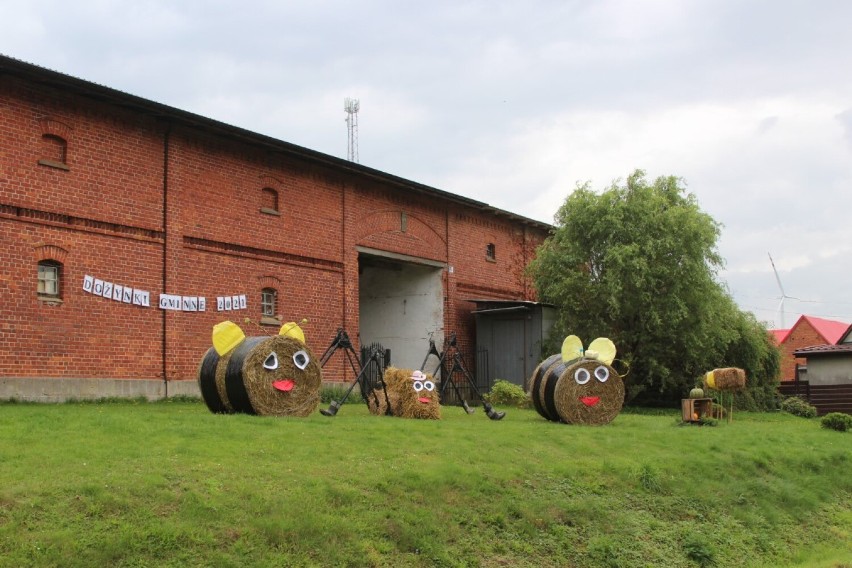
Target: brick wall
{"points": [[801, 335], [173, 209]]}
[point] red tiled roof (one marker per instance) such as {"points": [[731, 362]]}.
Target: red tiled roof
{"points": [[831, 330], [779, 334]]}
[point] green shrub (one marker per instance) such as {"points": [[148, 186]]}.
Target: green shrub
{"points": [[332, 391], [837, 421], [797, 406], [699, 551], [504, 393]]}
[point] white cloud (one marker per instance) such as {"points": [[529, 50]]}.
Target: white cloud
{"points": [[513, 104]]}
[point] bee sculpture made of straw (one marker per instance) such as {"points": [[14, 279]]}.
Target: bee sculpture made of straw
{"points": [[578, 386], [268, 375]]}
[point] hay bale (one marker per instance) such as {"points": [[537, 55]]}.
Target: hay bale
{"points": [[725, 379], [405, 401], [207, 375], [263, 378], [596, 401], [539, 371], [543, 388], [377, 402], [221, 388]]}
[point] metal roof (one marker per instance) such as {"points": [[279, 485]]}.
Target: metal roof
{"points": [[486, 306], [824, 350], [42, 76]]}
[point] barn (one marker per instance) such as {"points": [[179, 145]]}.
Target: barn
{"points": [[129, 228]]}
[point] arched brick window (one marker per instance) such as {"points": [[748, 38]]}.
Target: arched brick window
{"points": [[54, 144], [51, 265], [268, 305], [269, 201], [53, 149], [49, 285], [490, 252]]}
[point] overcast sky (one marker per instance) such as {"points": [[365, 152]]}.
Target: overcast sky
{"points": [[513, 103]]}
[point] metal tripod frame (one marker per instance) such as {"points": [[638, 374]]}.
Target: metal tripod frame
{"points": [[342, 341], [451, 345]]}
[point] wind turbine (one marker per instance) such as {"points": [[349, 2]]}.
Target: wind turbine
{"points": [[783, 294]]}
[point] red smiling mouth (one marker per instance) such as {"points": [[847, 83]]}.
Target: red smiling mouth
{"points": [[424, 400], [284, 386], [590, 400]]}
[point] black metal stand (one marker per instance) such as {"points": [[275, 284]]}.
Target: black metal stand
{"points": [[342, 341], [451, 352]]}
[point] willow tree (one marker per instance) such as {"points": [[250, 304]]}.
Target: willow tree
{"points": [[638, 262]]}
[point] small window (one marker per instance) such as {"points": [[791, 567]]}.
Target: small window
{"points": [[490, 252], [269, 201], [54, 150], [49, 275], [268, 305]]}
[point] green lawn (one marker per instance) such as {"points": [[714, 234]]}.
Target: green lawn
{"points": [[170, 484]]}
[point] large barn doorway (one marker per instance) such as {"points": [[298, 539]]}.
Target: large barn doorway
{"points": [[401, 302]]}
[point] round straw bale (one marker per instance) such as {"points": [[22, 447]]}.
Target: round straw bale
{"points": [[596, 401], [542, 367], [263, 378], [543, 393], [207, 375], [536, 379], [221, 388]]}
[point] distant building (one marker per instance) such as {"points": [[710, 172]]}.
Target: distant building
{"points": [[129, 228], [828, 384], [806, 332]]}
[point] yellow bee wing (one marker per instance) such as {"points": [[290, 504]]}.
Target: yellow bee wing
{"points": [[572, 348], [605, 349], [710, 379], [292, 329], [226, 336]]}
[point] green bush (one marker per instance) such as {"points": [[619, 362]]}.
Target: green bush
{"points": [[837, 421], [332, 391], [797, 406], [699, 551], [504, 393]]}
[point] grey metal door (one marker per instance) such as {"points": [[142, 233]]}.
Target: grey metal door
{"points": [[508, 342]]}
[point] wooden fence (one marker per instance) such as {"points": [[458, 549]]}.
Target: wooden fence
{"points": [[826, 398]]}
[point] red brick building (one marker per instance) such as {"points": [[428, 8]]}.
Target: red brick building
{"points": [[808, 331], [125, 223]]}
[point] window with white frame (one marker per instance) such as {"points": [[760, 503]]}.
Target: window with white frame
{"points": [[49, 274], [268, 305]]}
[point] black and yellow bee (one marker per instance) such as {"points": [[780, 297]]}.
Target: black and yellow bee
{"points": [[268, 375], [579, 386]]}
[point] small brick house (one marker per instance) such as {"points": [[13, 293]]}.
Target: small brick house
{"points": [[829, 375], [806, 332], [129, 228]]}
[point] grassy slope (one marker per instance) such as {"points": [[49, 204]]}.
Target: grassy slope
{"points": [[126, 484]]}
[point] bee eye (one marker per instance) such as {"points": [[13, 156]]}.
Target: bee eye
{"points": [[602, 374], [418, 386], [271, 362], [582, 376], [301, 359], [429, 385]]}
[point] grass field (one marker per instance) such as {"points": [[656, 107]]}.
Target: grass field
{"points": [[170, 484]]}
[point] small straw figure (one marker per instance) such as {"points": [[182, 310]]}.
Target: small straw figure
{"points": [[412, 394]]}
